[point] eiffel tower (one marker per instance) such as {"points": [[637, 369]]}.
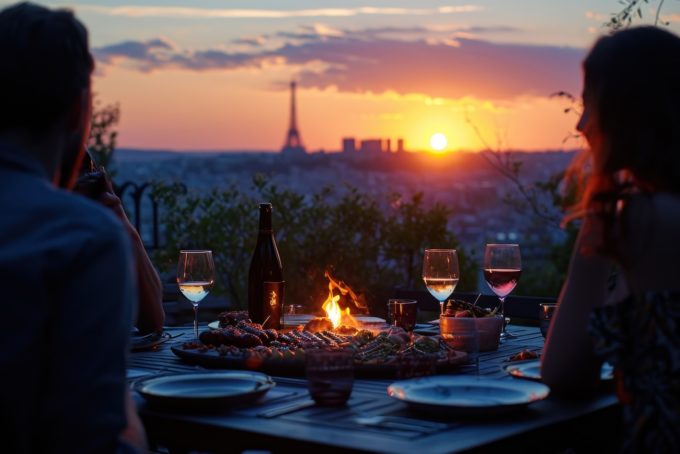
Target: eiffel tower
{"points": [[293, 145]]}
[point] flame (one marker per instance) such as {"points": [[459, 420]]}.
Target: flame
{"points": [[348, 320], [333, 311], [344, 290]]}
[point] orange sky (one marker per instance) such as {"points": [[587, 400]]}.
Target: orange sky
{"points": [[172, 108], [214, 74]]}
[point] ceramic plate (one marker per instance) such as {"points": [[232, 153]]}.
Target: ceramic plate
{"points": [[204, 391], [531, 370], [467, 395]]}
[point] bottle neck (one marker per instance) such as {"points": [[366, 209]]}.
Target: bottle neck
{"points": [[265, 218]]}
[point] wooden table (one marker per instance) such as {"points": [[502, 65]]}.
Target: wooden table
{"points": [[286, 419]]}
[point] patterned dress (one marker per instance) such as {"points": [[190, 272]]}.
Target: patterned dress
{"points": [[640, 337]]}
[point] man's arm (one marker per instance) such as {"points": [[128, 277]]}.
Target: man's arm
{"points": [[150, 313]]}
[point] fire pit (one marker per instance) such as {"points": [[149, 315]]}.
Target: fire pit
{"points": [[338, 320], [378, 349]]}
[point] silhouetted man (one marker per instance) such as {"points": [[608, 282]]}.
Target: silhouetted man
{"points": [[66, 278]]}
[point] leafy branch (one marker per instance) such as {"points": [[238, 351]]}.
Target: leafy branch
{"points": [[103, 135], [631, 10], [505, 163]]}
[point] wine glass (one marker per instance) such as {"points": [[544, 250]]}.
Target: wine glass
{"points": [[502, 268], [195, 276], [440, 273]]}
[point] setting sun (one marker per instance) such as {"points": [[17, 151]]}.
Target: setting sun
{"points": [[438, 141]]}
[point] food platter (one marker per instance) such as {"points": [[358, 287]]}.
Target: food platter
{"points": [[294, 320], [379, 352], [295, 366], [467, 396], [204, 391]]}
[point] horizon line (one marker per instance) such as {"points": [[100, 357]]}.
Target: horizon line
{"points": [[356, 153]]}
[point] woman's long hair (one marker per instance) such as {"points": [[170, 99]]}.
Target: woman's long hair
{"points": [[633, 79]]}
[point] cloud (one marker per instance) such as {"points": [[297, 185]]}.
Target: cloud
{"points": [[671, 18], [362, 62], [148, 54], [468, 68], [599, 17], [251, 40], [234, 13]]}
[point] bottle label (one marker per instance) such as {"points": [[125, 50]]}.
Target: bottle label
{"points": [[272, 295]]}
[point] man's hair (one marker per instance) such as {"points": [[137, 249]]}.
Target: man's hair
{"points": [[44, 65]]}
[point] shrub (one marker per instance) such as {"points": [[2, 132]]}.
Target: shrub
{"points": [[372, 245]]}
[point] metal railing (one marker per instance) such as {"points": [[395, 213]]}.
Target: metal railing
{"points": [[136, 193]]}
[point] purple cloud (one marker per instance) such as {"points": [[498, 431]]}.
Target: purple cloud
{"points": [[470, 68], [134, 50], [443, 65]]}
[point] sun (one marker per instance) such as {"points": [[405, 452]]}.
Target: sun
{"points": [[438, 141]]}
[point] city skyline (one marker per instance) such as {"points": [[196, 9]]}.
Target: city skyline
{"points": [[215, 75]]}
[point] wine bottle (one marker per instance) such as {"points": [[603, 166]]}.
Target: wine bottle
{"points": [[265, 278]]}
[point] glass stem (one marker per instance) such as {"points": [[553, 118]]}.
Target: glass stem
{"points": [[196, 321], [503, 311], [441, 307]]}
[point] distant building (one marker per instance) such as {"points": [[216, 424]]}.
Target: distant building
{"points": [[293, 145], [349, 145], [371, 146]]}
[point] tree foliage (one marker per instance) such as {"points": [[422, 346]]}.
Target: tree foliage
{"points": [[630, 11], [351, 234], [103, 133]]}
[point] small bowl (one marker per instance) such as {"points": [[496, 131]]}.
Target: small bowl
{"points": [[488, 330]]}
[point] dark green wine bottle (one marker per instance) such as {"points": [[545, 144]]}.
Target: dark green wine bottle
{"points": [[265, 278]]}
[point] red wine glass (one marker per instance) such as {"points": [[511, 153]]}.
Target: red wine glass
{"points": [[502, 268]]}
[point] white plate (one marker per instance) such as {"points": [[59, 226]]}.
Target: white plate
{"points": [[467, 395], [203, 391], [531, 370]]}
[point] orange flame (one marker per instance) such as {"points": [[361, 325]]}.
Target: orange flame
{"points": [[333, 311]]}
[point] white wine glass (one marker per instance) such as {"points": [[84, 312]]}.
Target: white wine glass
{"points": [[502, 268], [195, 277], [440, 273]]}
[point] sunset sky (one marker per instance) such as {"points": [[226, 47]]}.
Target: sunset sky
{"points": [[214, 75]]}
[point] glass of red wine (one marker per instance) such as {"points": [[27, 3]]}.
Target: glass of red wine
{"points": [[502, 268]]}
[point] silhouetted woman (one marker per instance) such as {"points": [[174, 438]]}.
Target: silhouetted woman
{"points": [[630, 215]]}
